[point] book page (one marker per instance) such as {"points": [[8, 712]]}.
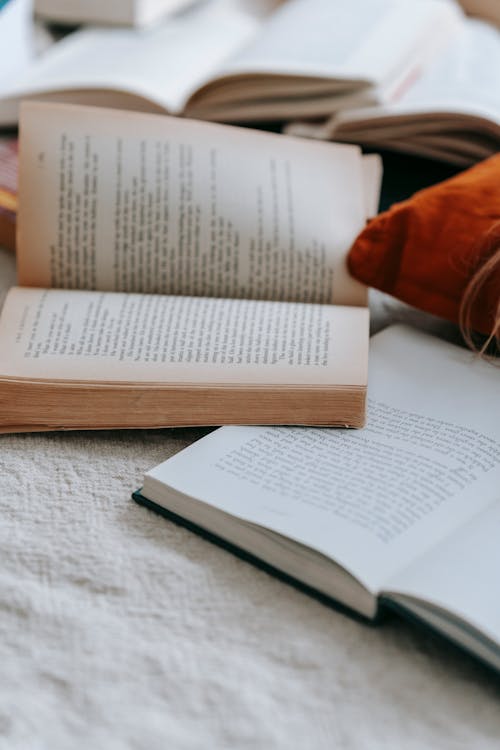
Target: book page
{"points": [[463, 80], [465, 76], [460, 575], [16, 39], [145, 203], [160, 66], [118, 337], [376, 499], [365, 40]]}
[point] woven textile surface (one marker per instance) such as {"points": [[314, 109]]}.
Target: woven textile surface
{"points": [[120, 630]]}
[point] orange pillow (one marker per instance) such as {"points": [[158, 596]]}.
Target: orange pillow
{"points": [[425, 250]]}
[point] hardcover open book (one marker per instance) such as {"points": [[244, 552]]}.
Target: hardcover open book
{"points": [[178, 272], [245, 60], [16, 40], [450, 112], [405, 513]]}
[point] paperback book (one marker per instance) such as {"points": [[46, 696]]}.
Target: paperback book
{"points": [[175, 272]]}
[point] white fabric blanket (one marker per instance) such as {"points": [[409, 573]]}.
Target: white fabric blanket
{"points": [[121, 631]]}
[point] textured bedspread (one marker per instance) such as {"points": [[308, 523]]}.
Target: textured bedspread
{"points": [[119, 630]]}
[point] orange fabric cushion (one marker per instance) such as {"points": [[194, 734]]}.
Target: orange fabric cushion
{"points": [[425, 250]]}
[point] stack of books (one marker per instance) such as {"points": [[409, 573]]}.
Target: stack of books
{"points": [[420, 78]]}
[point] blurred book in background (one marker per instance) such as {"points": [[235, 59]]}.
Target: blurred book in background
{"points": [[235, 61], [8, 192], [450, 112], [116, 12], [16, 39]]}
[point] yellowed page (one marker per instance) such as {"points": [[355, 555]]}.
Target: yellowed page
{"points": [[118, 337], [487, 9], [147, 203]]}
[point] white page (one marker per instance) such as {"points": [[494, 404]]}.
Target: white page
{"points": [[373, 499], [457, 93], [145, 203], [466, 76], [464, 79], [163, 65], [361, 39], [16, 40], [461, 574]]}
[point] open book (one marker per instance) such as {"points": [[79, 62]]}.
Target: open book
{"points": [[245, 60], [405, 513], [123, 12], [177, 272], [16, 42], [450, 112]]}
